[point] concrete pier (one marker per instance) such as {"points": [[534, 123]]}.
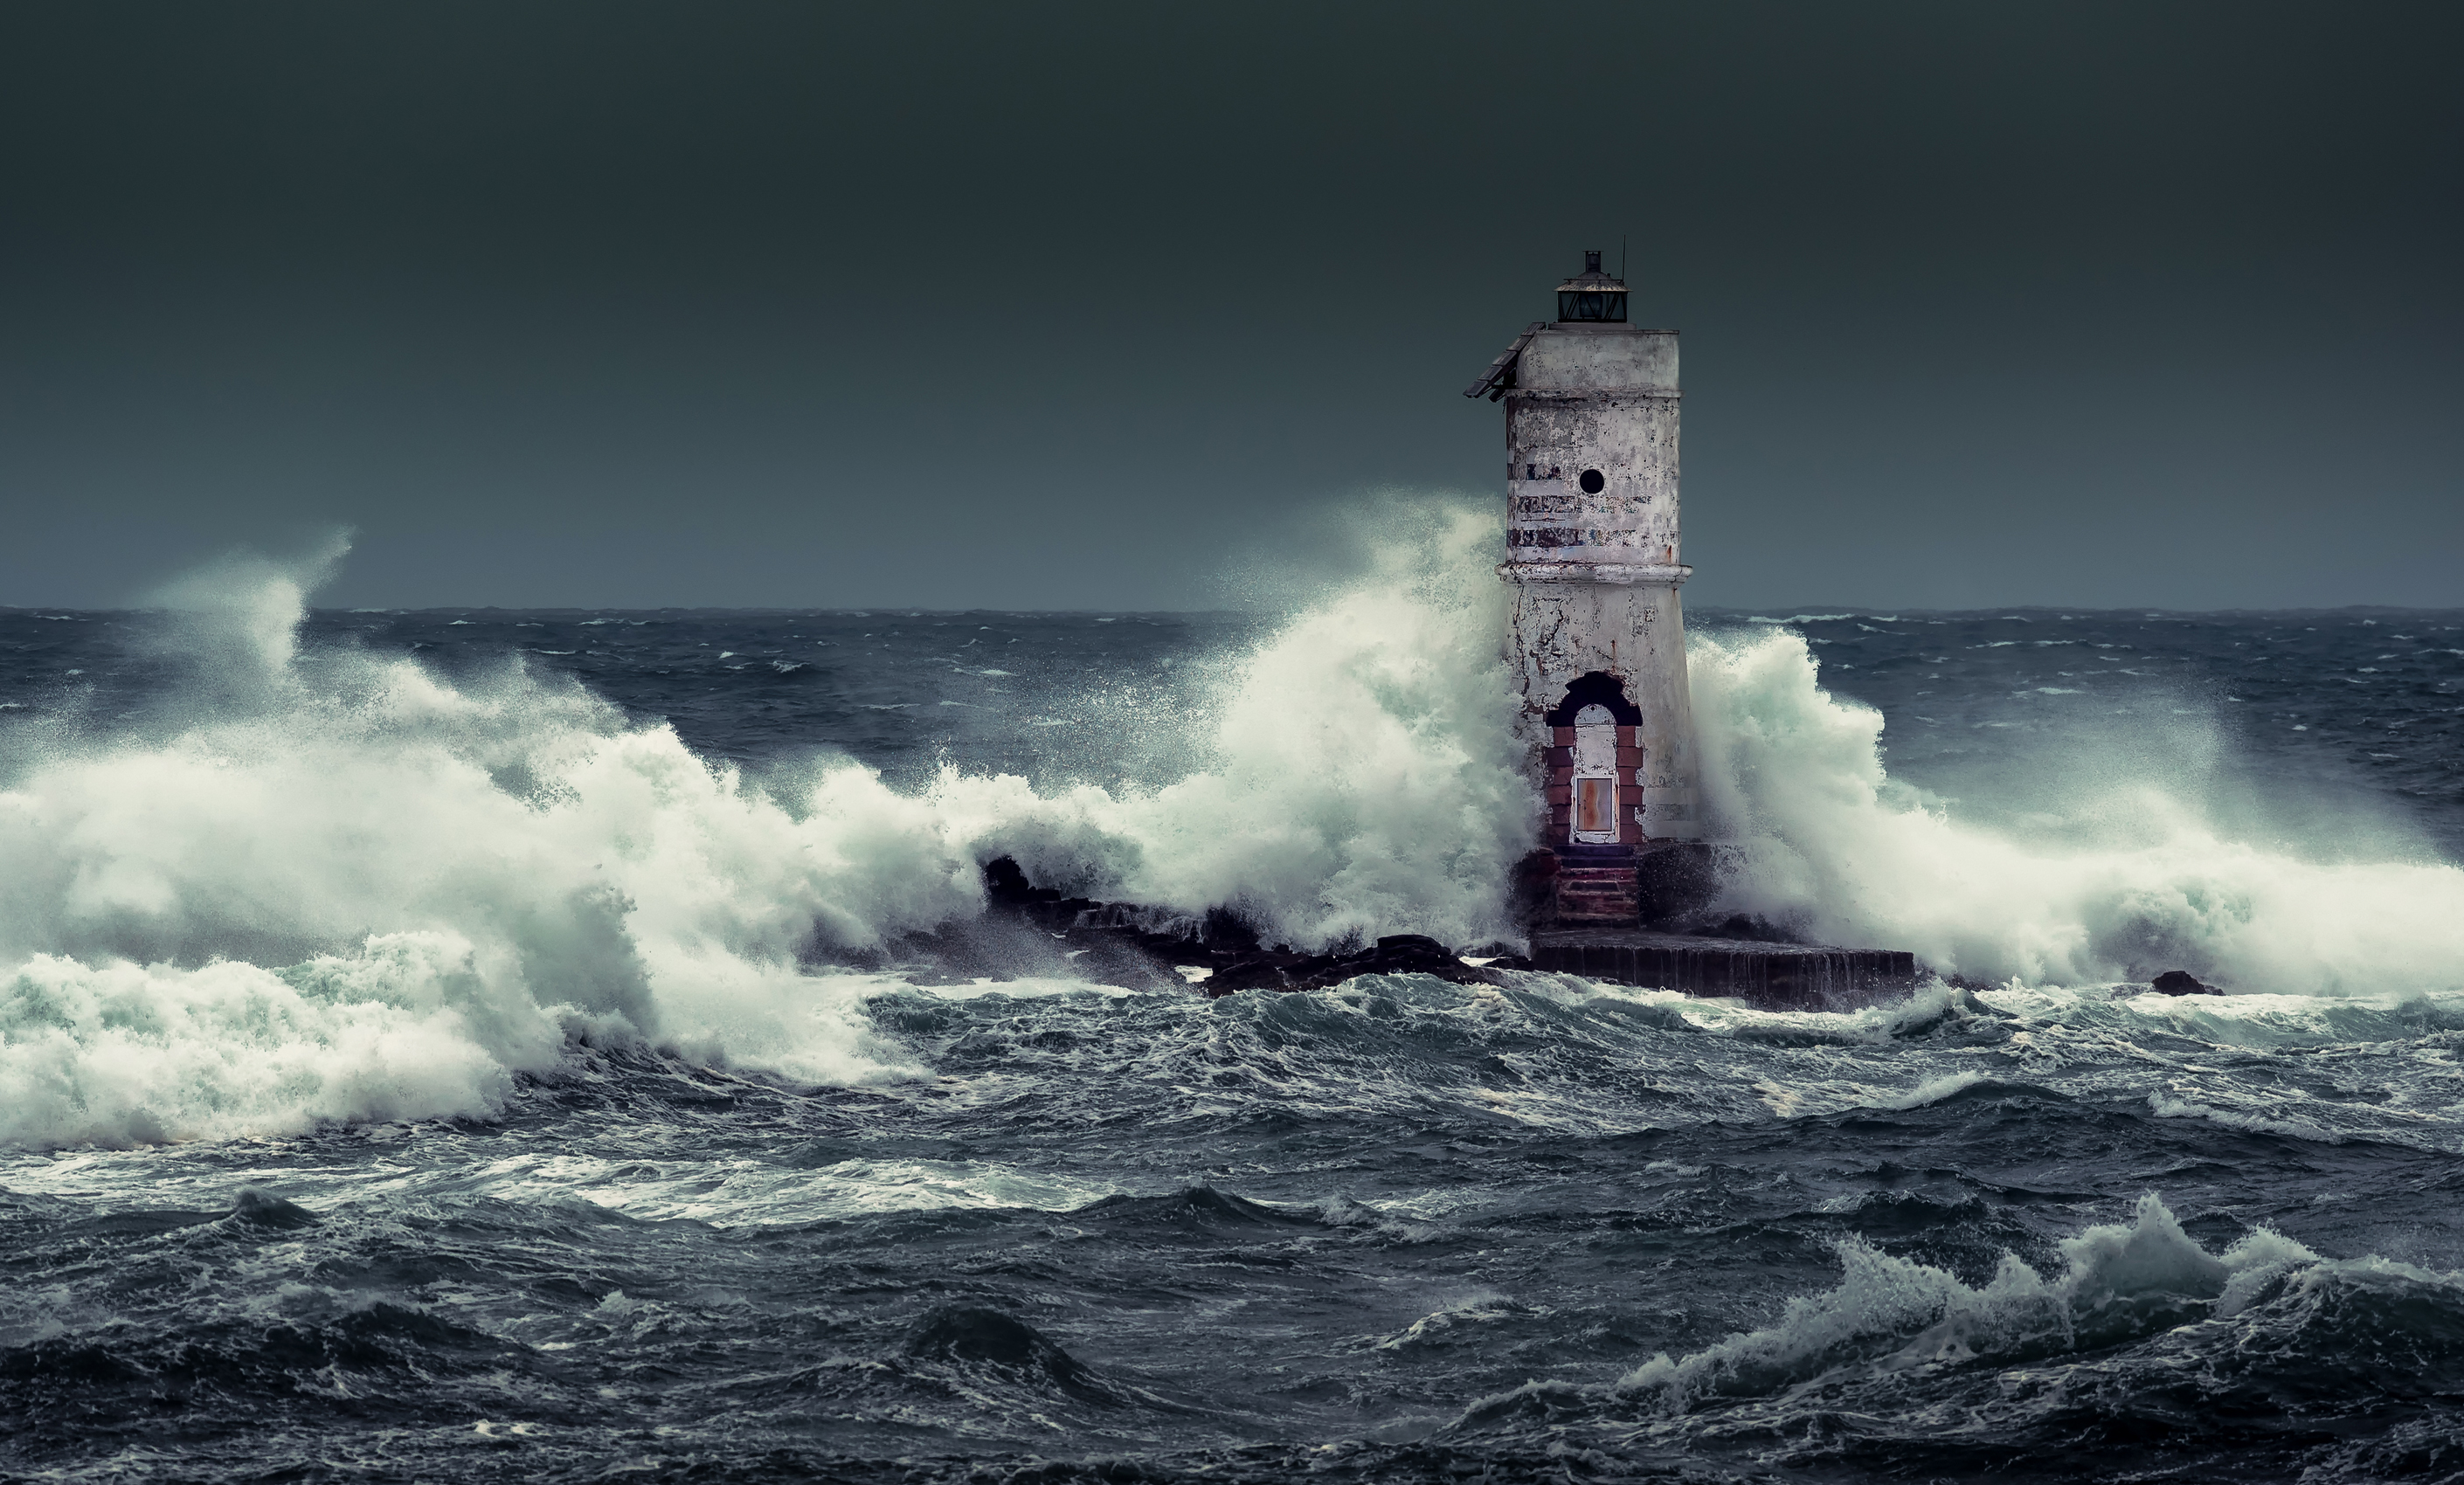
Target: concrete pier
{"points": [[1772, 976], [1028, 930]]}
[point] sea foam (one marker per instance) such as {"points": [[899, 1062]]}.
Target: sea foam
{"points": [[324, 885], [341, 887], [1834, 844], [2116, 1283]]}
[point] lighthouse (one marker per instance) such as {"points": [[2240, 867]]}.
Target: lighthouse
{"points": [[1599, 638]]}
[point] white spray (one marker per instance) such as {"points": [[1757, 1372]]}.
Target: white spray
{"points": [[2138, 880], [344, 889], [340, 888]]}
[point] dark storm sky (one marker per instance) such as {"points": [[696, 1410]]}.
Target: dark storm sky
{"points": [[1072, 306]]}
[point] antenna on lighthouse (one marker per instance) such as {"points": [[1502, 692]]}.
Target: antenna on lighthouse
{"points": [[1622, 240]]}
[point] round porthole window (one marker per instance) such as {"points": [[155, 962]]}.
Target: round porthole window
{"points": [[1594, 482]]}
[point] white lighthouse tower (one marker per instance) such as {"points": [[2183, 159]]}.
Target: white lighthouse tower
{"points": [[1598, 641]]}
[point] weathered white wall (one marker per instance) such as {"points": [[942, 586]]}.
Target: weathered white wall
{"points": [[1633, 630], [1577, 358], [1593, 397], [1596, 574], [1630, 438]]}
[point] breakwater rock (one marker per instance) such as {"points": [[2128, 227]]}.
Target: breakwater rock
{"points": [[1028, 932], [2181, 982]]}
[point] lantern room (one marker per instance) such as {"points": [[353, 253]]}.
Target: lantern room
{"points": [[1592, 297]]}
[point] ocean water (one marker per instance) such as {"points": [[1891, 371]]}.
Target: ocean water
{"points": [[474, 1046]]}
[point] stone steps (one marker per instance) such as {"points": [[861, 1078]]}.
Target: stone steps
{"points": [[1597, 894]]}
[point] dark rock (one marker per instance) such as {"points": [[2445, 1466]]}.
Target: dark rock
{"points": [[1005, 883], [1030, 930], [1412, 948], [1396, 954], [2181, 982], [1499, 956], [1225, 929], [1258, 972]]}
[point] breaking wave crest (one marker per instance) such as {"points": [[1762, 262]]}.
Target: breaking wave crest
{"points": [[319, 887], [339, 888], [1834, 844], [2119, 1282], [2129, 1309]]}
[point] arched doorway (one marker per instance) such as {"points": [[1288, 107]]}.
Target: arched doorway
{"points": [[1596, 784]]}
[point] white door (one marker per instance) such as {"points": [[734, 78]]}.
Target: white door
{"points": [[1596, 783]]}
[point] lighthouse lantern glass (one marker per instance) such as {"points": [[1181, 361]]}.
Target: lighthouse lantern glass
{"points": [[1605, 306]]}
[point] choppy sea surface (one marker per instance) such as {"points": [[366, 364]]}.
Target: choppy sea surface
{"points": [[474, 1046]]}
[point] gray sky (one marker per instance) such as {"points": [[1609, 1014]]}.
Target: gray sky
{"points": [[1060, 306]]}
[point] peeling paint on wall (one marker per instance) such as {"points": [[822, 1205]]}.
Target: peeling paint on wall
{"points": [[1591, 543]]}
